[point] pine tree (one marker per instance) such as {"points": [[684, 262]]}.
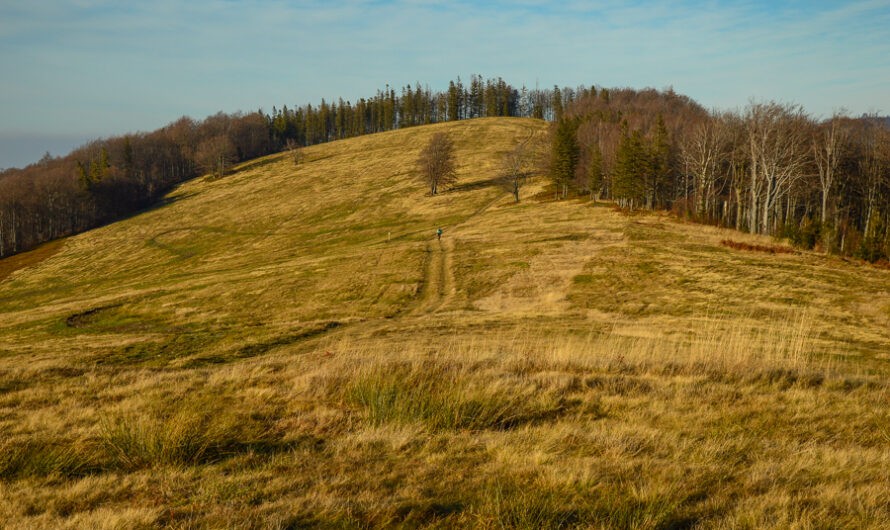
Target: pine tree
{"points": [[538, 106], [595, 172], [556, 103], [406, 116], [441, 108], [453, 101], [660, 177], [476, 96], [631, 168], [563, 156], [491, 99]]}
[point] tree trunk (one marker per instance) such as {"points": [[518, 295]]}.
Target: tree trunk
{"points": [[12, 233]]}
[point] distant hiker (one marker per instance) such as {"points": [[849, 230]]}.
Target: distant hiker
{"points": [[439, 234]]}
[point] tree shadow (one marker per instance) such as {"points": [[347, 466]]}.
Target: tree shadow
{"points": [[493, 182]]}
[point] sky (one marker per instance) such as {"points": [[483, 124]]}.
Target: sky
{"points": [[78, 70]]}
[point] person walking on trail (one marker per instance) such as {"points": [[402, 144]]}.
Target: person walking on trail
{"points": [[439, 234]]}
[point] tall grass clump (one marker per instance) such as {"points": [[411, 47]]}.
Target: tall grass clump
{"points": [[190, 434], [444, 396], [511, 502], [33, 458], [722, 347]]}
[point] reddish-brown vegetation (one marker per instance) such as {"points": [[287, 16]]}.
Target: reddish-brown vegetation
{"points": [[770, 249], [26, 259]]}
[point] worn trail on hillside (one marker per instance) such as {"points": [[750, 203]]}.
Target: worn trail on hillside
{"points": [[438, 282], [438, 288]]}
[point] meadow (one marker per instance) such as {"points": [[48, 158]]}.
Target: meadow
{"points": [[290, 346]]}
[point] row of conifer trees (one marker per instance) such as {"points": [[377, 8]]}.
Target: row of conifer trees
{"points": [[110, 178], [769, 168]]}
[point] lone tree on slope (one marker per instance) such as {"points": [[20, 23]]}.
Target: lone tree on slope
{"points": [[437, 164], [516, 169], [295, 150]]}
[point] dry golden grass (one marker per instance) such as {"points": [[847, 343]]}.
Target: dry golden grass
{"points": [[27, 259], [289, 347]]}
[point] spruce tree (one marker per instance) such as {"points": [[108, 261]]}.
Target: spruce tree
{"points": [[563, 156], [595, 172], [631, 168], [660, 177], [556, 103]]}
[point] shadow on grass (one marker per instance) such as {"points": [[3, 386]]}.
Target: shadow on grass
{"points": [[494, 182], [261, 348]]}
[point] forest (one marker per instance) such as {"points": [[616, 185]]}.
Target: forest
{"points": [[769, 168], [110, 178]]}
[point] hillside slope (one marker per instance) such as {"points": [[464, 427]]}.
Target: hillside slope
{"points": [[291, 346]]}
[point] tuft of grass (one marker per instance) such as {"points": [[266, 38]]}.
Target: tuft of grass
{"points": [[192, 434], [37, 458], [509, 502], [441, 397], [505, 504]]}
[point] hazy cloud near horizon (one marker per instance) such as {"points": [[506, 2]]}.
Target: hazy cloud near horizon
{"points": [[87, 69]]}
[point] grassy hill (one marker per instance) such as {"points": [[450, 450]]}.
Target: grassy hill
{"points": [[289, 346]]}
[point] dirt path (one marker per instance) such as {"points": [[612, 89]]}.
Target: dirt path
{"points": [[438, 288]]}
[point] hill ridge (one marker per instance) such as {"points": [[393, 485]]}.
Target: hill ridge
{"points": [[292, 345]]}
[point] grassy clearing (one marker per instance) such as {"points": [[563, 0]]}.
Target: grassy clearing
{"points": [[273, 349]]}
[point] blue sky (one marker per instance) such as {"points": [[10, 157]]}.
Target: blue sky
{"points": [[82, 69]]}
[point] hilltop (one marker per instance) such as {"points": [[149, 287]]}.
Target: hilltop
{"points": [[290, 346]]}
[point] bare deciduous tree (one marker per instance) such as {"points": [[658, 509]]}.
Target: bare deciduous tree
{"points": [[778, 150], [436, 163], [829, 143], [215, 154], [295, 150], [516, 168], [702, 152]]}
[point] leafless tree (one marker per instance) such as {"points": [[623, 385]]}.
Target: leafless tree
{"points": [[701, 153], [215, 154], [874, 168], [778, 149], [516, 169], [829, 142], [436, 163], [295, 150]]}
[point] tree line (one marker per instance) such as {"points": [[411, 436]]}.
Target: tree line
{"points": [[769, 168], [114, 177], [110, 178]]}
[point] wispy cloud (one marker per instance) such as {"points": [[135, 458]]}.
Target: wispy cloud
{"points": [[108, 67]]}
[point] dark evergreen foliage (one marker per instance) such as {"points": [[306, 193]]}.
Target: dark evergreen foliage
{"points": [[564, 154]]}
